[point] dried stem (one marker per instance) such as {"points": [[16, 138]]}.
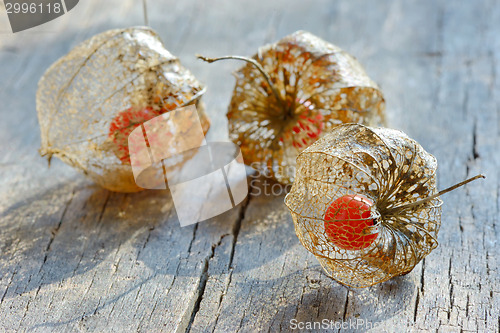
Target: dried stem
{"points": [[449, 189], [145, 12], [257, 65]]}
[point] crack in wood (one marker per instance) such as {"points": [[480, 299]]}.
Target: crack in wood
{"points": [[201, 290], [417, 300], [346, 304], [56, 229], [475, 153], [204, 276]]}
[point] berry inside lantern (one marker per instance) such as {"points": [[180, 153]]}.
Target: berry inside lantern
{"points": [[349, 224], [123, 124], [290, 94], [365, 203], [90, 100]]}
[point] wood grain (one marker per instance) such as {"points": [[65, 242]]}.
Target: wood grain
{"points": [[75, 257]]}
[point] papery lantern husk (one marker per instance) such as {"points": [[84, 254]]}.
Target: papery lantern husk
{"points": [[390, 169], [320, 87], [114, 74]]}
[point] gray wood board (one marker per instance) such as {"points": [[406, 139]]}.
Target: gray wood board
{"points": [[75, 257]]}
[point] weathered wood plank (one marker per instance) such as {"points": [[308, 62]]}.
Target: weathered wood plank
{"points": [[76, 257], [454, 296]]}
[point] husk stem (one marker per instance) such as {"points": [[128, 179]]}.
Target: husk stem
{"points": [[259, 68], [449, 189]]}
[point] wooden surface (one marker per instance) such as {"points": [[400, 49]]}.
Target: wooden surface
{"points": [[75, 257]]}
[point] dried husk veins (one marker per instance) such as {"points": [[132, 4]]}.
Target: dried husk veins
{"points": [[392, 170], [320, 87], [79, 96]]}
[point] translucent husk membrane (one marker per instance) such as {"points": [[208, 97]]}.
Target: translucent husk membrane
{"points": [[319, 85], [386, 167], [92, 98]]}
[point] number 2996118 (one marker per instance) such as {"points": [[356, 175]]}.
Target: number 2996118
{"points": [[33, 8]]}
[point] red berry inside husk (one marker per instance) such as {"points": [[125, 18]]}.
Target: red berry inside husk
{"points": [[347, 222], [124, 123], [307, 127]]}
